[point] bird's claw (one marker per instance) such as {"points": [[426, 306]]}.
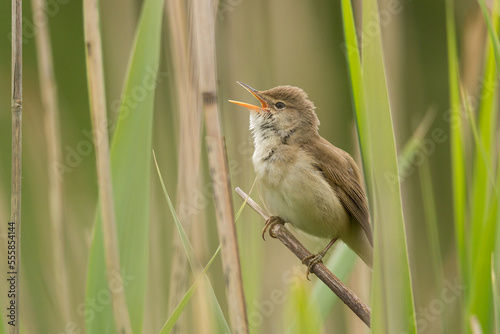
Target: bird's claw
{"points": [[317, 258], [313, 260], [270, 222]]}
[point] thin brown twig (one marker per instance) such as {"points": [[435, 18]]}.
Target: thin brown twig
{"points": [[48, 92], [319, 269], [16, 105], [99, 123]]}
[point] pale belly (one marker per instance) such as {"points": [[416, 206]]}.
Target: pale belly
{"points": [[298, 193]]}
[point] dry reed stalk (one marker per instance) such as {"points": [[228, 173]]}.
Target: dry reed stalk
{"points": [[204, 38], [288, 239], [48, 92], [95, 74], [178, 276], [4, 212], [189, 162], [17, 112]]}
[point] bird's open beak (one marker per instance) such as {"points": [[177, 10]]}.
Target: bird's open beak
{"points": [[255, 93]]}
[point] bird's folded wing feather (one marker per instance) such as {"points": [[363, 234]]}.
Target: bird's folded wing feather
{"points": [[342, 173]]}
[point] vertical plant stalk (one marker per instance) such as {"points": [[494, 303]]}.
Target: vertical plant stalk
{"points": [[95, 74], [431, 222], [457, 146], [392, 295], [189, 161], [48, 92], [204, 37], [17, 112], [177, 29]]}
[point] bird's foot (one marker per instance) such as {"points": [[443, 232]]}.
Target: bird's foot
{"points": [[270, 222], [314, 259]]}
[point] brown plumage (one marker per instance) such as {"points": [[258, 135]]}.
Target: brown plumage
{"points": [[305, 180], [341, 172]]}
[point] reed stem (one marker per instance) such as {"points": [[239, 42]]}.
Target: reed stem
{"points": [[204, 38], [15, 209], [95, 74], [48, 92]]}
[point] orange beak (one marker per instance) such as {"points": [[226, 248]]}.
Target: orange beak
{"points": [[255, 93]]}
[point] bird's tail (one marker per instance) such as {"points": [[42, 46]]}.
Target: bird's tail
{"points": [[357, 241]]}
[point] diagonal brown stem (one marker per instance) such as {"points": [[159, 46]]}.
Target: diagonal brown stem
{"points": [[319, 269]]}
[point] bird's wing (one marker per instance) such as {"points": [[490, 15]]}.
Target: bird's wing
{"points": [[343, 175]]}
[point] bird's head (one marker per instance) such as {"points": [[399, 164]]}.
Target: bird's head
{"points": [[285, 111]]}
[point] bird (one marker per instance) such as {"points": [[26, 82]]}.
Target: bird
{"points": [[303, 179]]}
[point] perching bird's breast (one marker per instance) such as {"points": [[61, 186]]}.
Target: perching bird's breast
{"points": [[294, 189]]}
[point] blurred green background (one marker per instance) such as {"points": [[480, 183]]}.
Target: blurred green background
{"points": [[264, 44]]}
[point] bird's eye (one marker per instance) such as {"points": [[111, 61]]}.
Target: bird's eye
{"points": [[280, 105]]}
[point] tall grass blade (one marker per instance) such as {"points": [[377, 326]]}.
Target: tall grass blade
{"points": [[392, 296], [484, 206], [496, 254], [353, 56], [174, 317], [483, 177], [492, 29], [130, 169], [431, 222], [483, 227], [406, 160], [456, 142], [193, 262], [496, 296], [481, 294]]}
